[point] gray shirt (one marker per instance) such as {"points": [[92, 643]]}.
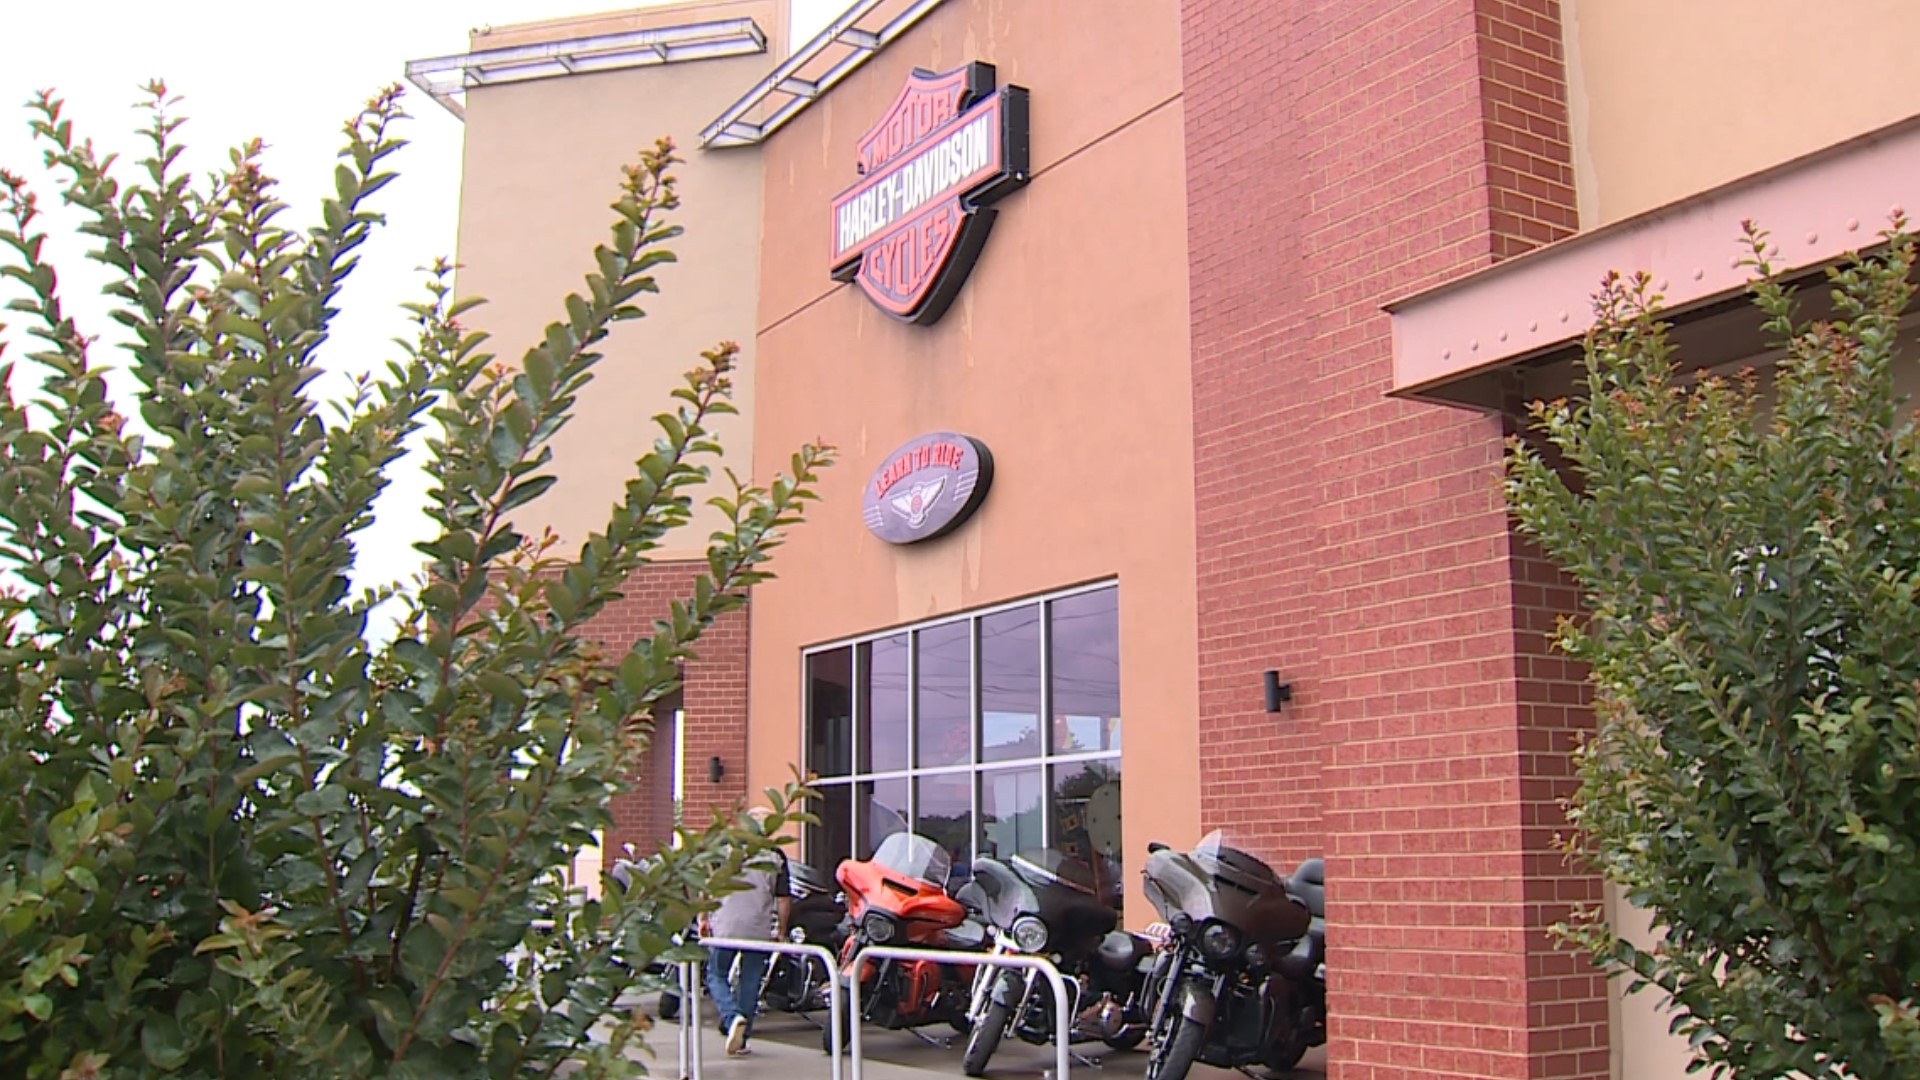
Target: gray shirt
{"points": [[751, 913]]}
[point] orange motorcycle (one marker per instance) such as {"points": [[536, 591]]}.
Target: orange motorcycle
{"points": [[899, 897]]}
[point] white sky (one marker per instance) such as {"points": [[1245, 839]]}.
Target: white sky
{"points": [[289, 72]]}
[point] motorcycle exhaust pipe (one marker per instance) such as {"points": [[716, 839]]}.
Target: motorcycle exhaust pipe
{"points": [[1109, 1017]]}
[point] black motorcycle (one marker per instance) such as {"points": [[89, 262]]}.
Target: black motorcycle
{"points": [[1044, 904], [795, 983], [1220, 992]]}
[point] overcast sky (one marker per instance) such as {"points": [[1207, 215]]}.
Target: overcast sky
{"points": [[289, 72]]}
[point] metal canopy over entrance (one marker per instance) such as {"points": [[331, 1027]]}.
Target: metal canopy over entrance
{"points": [[813, 69], [448, 78], [1459, 343]]}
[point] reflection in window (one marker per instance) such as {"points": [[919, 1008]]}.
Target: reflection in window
{"points": [[830, 712], [1085, 810], [1010, 812], [943, 691], [1010, 684], [830, 839], [1084, 639], [883, 812], [883, 706], [947, 734], [943, 813]]}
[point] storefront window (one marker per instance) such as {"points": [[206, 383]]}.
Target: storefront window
{"points": [[950, 739], [943, 692], [830, 712], [883, 704], [1084, 637], [1011, 808], [1010, 684]]}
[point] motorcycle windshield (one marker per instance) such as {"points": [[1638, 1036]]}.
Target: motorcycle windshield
{"points": [[914, 856], [1219, 879], [1045, 867]]}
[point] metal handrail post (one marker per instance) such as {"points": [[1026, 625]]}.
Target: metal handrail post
{"points": [[795, 948], [686, 1050], [690, 1008], [1062, 1019]]}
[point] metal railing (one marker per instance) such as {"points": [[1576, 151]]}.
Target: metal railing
{"points": [[692, 1050], [789, 948], [1062, 1018]]}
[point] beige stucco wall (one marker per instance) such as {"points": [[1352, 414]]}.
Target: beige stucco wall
{"points": [[542, 164], [1066, 353], [1671, 98]]}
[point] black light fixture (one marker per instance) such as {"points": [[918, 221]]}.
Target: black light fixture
{"points": [[1278, 693], [715, 770]]}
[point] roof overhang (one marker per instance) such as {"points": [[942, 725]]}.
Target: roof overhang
{"points": [[448, 78], [1451, 343], [866, 27]]}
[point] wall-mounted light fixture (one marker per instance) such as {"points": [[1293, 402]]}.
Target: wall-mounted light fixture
{"points": [[715, 770], [1278, 693]]}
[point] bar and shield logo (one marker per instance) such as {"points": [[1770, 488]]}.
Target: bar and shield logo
{"points": [[912, 227]]}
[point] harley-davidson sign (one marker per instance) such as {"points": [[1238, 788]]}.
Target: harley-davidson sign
{"points": [[927, 487], [910, 230]]}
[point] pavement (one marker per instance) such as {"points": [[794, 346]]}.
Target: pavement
{"points": [[787, 1047]]}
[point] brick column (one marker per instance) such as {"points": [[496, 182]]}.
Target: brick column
{"points": [[713, 700], [1344, 153]]}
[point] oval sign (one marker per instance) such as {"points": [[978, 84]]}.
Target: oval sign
{"points": [[927, 487]]}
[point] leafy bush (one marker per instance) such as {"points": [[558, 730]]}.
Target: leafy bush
{"points": [[1749, 553], [239, 838]]}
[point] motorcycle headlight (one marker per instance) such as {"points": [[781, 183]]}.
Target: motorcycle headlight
{"points": [[1029, 934], [797, 935], [1219, 942], [1182, 923], [878, 927], [1257, 957]]}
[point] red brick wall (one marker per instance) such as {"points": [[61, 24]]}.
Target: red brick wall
{"points": [[713, 696], [1344, 153]]}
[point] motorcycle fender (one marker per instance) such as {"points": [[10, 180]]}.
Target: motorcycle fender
{"points": [[1196, 1002], [1009, 988]]}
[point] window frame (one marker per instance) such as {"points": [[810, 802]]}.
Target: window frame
{"points": [[1046, 760]]}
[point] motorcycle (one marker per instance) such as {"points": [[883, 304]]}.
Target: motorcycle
{"points": [[899, 897], [795, 984], [1044, 903], [1224, 990], [798, 984]]}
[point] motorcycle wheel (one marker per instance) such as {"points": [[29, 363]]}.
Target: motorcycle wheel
{"points": [[1181, 1051], [669, 1006], [986, 1038], [846, 1034]]}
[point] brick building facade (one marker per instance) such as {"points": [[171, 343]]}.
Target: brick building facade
{"points": [[1259, 309]]}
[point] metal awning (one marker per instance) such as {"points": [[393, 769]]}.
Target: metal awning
{"points": [[836, 52], [1529, 314], [448, 78]]}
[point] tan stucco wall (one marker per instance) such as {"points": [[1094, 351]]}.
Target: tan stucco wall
{"points": [[1066, 353], [1671, 98], [542, 164]]}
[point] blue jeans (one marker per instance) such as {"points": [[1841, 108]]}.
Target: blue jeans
{"points": [[735, 997]]}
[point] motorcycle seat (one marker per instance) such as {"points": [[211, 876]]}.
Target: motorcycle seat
{"points": [[1309, 885], [1121, 951]]}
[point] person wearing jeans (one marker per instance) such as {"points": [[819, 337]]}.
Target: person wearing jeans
{"points": [[734, 975]]}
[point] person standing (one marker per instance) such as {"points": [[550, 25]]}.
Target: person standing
{"points": [[764, 906]]}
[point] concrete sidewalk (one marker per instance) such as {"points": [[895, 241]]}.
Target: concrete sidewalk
{"points": [[787, 1047]]}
